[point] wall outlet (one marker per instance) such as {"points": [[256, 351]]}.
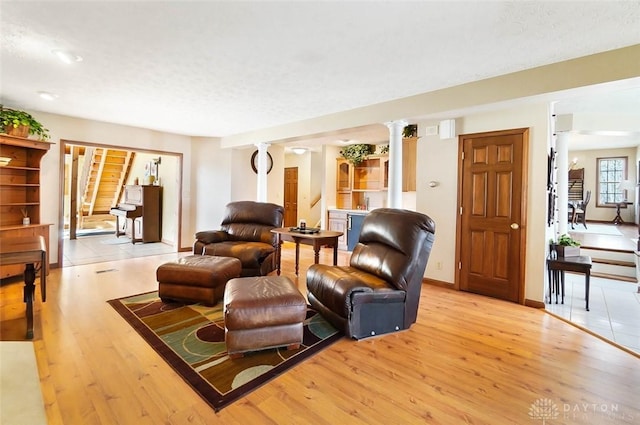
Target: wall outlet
{"points": [[439, 265]]}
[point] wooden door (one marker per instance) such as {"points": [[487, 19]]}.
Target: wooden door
{"points": [[291, 197], [491, 226]]}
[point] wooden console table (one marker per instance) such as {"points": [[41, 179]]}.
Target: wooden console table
{"points": [[29, 251], [323, 237], [556, 268]]}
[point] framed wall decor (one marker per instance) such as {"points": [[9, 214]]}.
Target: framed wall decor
{"points": [[551, 187], [551, 164], [254, 162]]}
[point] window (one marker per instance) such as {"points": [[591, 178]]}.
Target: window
{"points": [[611, 171]]}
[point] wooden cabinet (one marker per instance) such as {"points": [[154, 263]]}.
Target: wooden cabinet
{"points": [[338, 222], [409, 154], [344, 178], [344, 175], [20, 192], [371, 174]]}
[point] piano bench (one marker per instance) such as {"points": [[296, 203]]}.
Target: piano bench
{"points": [[196, 278]]}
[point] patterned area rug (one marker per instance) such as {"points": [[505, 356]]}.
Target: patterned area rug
{"points": [[190, 337]]}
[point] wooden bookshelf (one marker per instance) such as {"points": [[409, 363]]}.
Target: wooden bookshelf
{"points": [[20, 192]]}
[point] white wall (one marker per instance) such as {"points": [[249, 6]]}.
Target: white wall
{"points": [[438, 161], [81, 130], [303, 164], [244, 181], [315, 186], [168, 175], [211, 177], [310, 171], [588, 160]]}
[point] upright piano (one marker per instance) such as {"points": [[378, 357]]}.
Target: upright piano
{"points": [[142, 212]]}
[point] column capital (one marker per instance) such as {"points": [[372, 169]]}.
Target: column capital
{"points": [[262, 145], [396, 124]]}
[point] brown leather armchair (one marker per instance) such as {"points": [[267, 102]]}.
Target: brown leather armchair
{"points": [[379, 291], [245, 233]]}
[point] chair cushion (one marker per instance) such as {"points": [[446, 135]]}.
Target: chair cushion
{"points": [[250, 254], [335, 287]]}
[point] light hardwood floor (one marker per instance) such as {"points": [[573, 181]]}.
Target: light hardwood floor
{"points": [[468, 359]]}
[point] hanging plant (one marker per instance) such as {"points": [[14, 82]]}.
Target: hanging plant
{"points": [[384, 149], [357, 153]]}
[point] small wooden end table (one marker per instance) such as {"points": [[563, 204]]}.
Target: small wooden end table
{"points": [[323, 237], [27, 250], [556, 268], [618, 219]]}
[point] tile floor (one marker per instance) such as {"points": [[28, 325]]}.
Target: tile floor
{"points": [[614, 308], [98, 248]]}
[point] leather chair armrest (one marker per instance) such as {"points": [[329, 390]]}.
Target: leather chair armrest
{"points": [[212, 236]]}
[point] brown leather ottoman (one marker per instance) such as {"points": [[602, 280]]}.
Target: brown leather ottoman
{"points": [[196, 278], [262, 312]]}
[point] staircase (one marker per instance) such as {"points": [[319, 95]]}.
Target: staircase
{"points": [[103, 176], [613, 255], [609, 264]]}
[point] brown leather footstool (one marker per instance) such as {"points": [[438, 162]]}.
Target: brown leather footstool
{"points": [[262, 312], [196, 278]]}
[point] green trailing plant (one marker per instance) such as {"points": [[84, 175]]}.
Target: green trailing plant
{"points": [[357, 153], [410, 130], [384, 149], [15, 118], [565, 240]]}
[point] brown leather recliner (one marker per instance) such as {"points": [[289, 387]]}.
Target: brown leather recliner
{"points": [[379, 291], [245, 233]]}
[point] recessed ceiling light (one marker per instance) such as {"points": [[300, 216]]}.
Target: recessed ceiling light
{"points": [[66, 57], [47, 96]]}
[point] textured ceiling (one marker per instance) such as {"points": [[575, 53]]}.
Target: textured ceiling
{"points": [[222, 68]]}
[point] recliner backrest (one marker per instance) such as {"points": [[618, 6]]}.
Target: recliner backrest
{"points": [[394, 245], [252, 221]]}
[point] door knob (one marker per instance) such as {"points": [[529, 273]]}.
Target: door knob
{"points": [[515, 226]]}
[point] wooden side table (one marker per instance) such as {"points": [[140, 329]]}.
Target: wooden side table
{"points": [[27, 250], [556, 268], [323, 237], [618, 219]]}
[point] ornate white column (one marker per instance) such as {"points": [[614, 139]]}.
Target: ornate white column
{"points": [[262, 172], [394, 194]]}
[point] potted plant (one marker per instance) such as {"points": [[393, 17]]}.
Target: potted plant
{"points": [[565, 246], [21, 124], [410, 130], [357, 153]]}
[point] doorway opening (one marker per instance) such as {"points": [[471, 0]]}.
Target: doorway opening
{"points": [[93, 178]]}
